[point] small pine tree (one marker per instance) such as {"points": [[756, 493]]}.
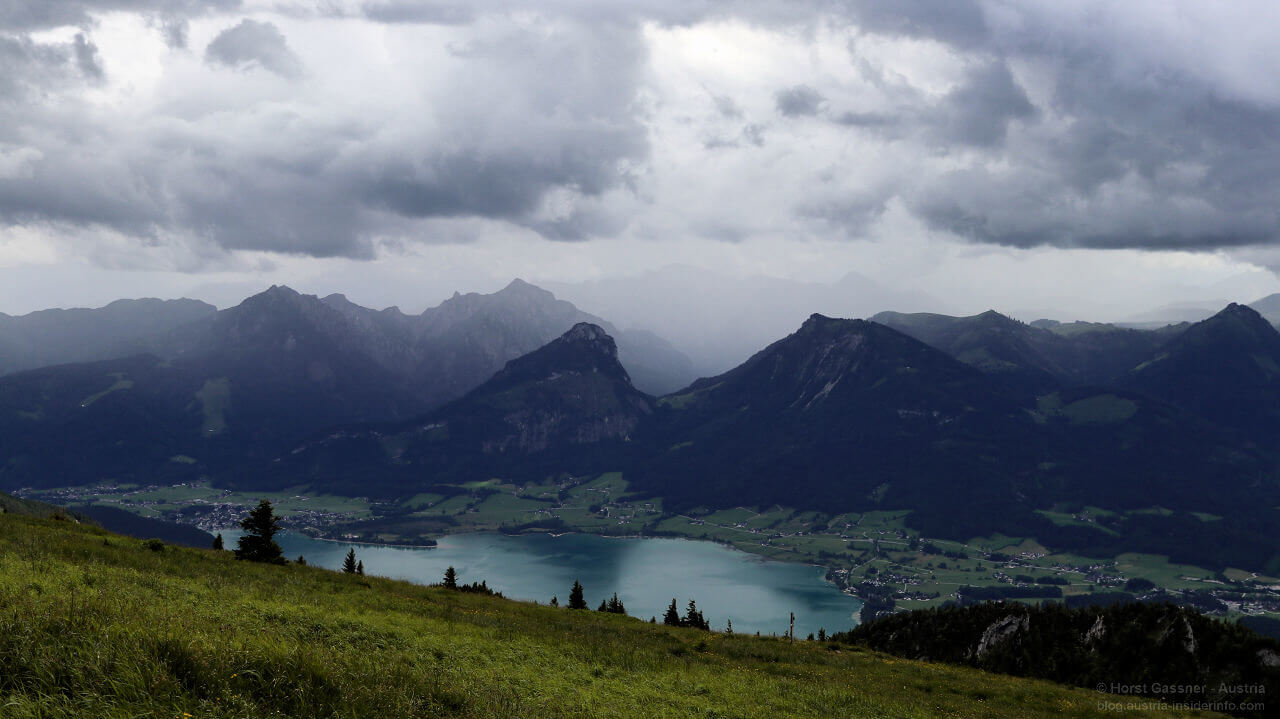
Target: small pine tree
{"points": [[450, 578], [217, 542], [349, 564], [258, 544], [672, 617], [604, 606], [693, 617], [360, 568], [302, 561], [576, 600], [653, 620], [822, 634], [555, 601], [615, 605], [728, 629]]}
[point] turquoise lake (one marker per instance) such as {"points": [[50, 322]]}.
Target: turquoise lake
{"points": [[728, 584]]}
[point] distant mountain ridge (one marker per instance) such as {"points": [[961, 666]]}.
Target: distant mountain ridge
{"points": [[59, 336], [240, 385], [1036, 357], [979, 425]]}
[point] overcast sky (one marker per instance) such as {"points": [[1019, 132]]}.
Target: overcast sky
{"points": [[1067, 159]]}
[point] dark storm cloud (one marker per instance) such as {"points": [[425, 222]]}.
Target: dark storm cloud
{"points": [[798, 101], [254, 44], [506, 187], [979, 111]]}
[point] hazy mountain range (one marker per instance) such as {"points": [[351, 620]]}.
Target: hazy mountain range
{"points": [[975, 424]]}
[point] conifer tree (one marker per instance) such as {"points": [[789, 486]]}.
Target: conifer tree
{"points": [[360, 568], [693, 617], [672, 617], [615, 605], [349, 564], [450, 578], [217, 542], [729, 627], [302, 561], [576, 600], [258, 543], [604, 606], [555, 601]]}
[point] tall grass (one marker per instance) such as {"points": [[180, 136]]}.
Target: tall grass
{"points": [[97, 625]]}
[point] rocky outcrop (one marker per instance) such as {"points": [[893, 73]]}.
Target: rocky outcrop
{"points": [[1000, 631]]}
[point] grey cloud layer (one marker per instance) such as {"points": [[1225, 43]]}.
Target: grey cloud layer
{"points": [[1049, 135], [253, 43], [542, 108], [39, 14]]}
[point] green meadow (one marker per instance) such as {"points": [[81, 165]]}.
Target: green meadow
{"points": [[94, 624]]}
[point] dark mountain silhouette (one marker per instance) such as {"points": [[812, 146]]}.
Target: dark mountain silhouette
{"points": [[851, 415], [1225, 369], [840, 413], [552, 410]]}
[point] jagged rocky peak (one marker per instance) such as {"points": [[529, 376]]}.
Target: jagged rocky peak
{"points": [[1243, 312], [274, 296], [591, 336], [823, 323], [280, 291], [585, 349]]}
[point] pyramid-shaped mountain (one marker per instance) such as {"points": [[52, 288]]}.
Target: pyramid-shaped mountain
{"points": [[830, 365], [1225, 369], [555, 409], [840, 413]]}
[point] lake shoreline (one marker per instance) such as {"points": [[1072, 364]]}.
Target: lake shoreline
{"points": [[756, 592]]}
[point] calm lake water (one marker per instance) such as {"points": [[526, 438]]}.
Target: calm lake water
{"points": [[646, 573]]}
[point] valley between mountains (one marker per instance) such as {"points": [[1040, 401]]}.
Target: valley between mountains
{"points": [[922, 459]]}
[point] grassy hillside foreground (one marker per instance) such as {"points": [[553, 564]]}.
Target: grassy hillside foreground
{"points": [[95, 624]]}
